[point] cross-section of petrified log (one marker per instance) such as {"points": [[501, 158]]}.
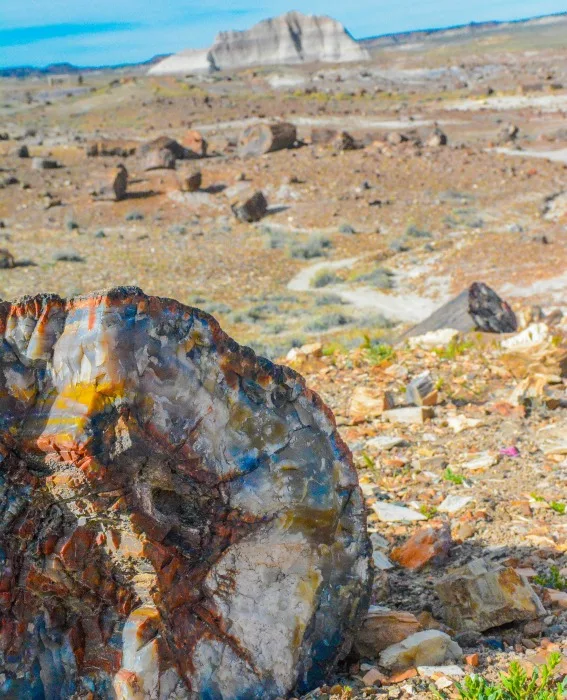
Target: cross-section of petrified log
{"points": [[179, 518]]}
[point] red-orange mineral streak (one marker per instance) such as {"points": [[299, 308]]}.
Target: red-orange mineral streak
{"points": [[176, 515]]}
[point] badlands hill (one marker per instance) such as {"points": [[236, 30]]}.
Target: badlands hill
{"points": [[289, 39]]}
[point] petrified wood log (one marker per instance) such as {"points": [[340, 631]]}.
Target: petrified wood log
{"points": [[251, 209], [258, 139], [180, 519]]}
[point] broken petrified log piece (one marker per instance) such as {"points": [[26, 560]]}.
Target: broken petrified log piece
{"points": [[6, 259], [381, 628], [252, 209], [158, 159], [258, 139], [194, 144], [190, 181], [489, 312], [478, 307], [116, 187], [178, 514], [430, 545], [477, 598], [343, 141], [420, 389]]}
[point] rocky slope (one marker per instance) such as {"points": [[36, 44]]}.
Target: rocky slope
{"points": [[290, 39]]}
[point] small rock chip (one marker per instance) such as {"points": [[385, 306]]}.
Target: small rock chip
{"points": [[454, 503], [390, 513], [410, 414]]}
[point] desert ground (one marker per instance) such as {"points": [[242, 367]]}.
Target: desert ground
{"points": [[358, 244]]}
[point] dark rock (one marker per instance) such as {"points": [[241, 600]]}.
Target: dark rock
{"points": [[252, 209], [489, 312]]}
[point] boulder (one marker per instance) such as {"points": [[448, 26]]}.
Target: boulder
{"points": [[252, 209], [489, 312], [180, 518], [190, 181], [428, 648], [478, 307], [477, 598], [381, 628], [23, 151], [194, 144]]}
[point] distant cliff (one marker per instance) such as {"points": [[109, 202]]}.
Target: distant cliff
{"points": [[289, 39]]}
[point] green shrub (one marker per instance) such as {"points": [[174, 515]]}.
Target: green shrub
{"points": [[324, 277], [314, 247], [323, 323], [380, 277], [516, 684], [415, 232]]}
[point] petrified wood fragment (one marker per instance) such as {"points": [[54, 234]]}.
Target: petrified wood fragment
{"points": [[179, 518], [258, 139]]}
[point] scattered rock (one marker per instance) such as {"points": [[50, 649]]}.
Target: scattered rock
{"points": [[194, 144], [410, 414], [364, 405], [434, 339], [390, 513], [258, 139], [535, 334], [343, 141], [477, 598], [429, 648], [420, 390], [158, 159], [489, 312], [44, 164], [381, 628], [6, 259], [454, 503], [436, 138], [508, 134], [252, 209], [430, 545], [190, 182]]}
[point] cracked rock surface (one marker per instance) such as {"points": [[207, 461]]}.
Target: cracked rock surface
{"points": [[179, 518]]}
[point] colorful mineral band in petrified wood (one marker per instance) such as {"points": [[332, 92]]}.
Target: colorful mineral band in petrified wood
{"points": [[179, 518]]}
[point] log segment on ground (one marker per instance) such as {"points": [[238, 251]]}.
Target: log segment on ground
{"points": [[257, 139], [180, 518]]}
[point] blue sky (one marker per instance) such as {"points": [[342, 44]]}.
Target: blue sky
{"points": [[100, 32]]}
